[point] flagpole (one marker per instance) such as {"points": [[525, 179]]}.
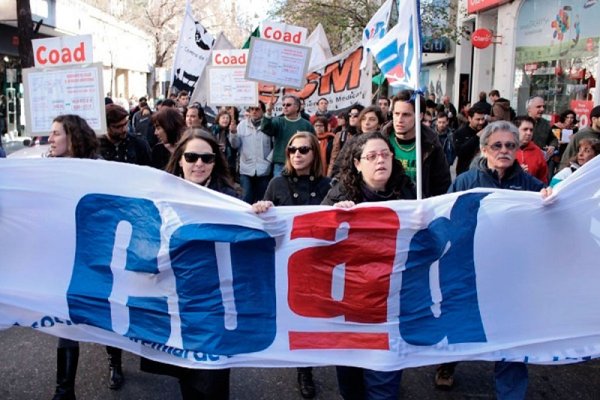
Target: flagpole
{"points": [[419, 157]]}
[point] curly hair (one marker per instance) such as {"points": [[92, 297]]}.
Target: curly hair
{"points": [[82, 139], [351, 179], [172, 122], [220, 172]]}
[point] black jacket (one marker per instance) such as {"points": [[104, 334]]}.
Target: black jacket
{"points": [[289, 190]]}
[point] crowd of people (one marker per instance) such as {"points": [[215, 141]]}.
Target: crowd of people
{"points": [[362, 154]]}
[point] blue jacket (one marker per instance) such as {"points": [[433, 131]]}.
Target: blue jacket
{"points": [[481, 176]]}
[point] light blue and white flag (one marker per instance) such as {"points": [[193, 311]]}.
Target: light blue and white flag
{"points": [[375, 30], [398, 54]]}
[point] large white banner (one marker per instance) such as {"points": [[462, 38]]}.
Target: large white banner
{"points": [[175, 272]]}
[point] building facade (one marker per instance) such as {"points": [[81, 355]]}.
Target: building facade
{"points": [[546, 48], [125, 52]]}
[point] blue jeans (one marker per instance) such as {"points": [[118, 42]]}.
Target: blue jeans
{"points": [[365, 384], [254, 187], [512, 379]]}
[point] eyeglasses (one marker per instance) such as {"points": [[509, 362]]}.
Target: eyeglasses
{"points": [[287, 104], [498, 146], [319, 126], [207, 158], [370, 157], [302, 149], [353, 115]]}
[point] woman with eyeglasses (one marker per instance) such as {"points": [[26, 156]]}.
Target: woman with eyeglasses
{"points": [[168, 126], [369, 173], [301, 183], [72, 137], [343, 136], [197, 158]]}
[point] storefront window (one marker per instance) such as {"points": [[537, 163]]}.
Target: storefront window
{"points": [[557, 54]]}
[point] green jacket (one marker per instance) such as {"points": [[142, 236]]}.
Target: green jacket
{"points": [[282, 129]]}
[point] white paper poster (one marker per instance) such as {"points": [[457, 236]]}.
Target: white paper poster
{"points": [[50, 92], [229, 87], [278, 63]]}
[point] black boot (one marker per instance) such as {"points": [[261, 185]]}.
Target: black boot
{"points": [[66, 369], [115, 372], [305, 383]]}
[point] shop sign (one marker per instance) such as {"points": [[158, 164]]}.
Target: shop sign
{"points": [[582, 109], [435, 45], [63, 50], [481, 38], [530, 68], [474, 6]]}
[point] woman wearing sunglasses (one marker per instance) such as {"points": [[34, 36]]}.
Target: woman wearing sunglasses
{"points": [[301, 183], [197, 158], [369, 173]]}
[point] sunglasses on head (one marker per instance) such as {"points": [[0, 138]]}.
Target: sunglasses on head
{"points": [[498, 146], [301, 149], [207, 158]]}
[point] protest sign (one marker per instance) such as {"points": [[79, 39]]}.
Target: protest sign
{"points": [[176, 272], [278, 63], [73, 89], [340, 80], [62, 50], [229, 87], [282, 32]]}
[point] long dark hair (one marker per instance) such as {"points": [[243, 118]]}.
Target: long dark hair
{"points": [[83, 142], [351, 179], [220, 172], [172, 122]]}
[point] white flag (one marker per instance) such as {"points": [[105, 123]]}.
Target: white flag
{"points": [[375, 30], [193, 52], [398, 54]]}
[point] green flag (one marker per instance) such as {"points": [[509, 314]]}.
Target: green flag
{"points": [[255, 33]]}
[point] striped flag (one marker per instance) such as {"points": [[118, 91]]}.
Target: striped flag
{"points": [[398, 54]]}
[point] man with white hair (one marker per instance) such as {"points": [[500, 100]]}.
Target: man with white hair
{"points": [[542, 134]]}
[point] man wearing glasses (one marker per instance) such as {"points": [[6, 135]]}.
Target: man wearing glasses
{"points": [[497, 168], [283, 127], [118, 144]]}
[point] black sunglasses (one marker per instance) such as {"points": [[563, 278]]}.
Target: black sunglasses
{"points": [[301, 149], [207, 158]]}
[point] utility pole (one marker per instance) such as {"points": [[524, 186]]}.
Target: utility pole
{"points": [[25, 30]]}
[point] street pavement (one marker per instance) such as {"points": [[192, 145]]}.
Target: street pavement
{"points": [[27, 372]]}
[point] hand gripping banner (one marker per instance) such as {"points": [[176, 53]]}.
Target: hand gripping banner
{"points": [[136, 258]]}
